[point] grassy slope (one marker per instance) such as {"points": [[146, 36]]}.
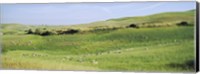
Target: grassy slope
{"points": [[12, 28], [162, 18], [145, 49]]}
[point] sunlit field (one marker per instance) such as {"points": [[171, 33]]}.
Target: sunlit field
{"points": [[164, 46]]}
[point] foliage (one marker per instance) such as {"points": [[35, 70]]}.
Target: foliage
{"points": [[30, 31], [133, 26], [183, 23]]}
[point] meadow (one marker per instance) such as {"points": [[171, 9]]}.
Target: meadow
{"points": [[161, 46]]}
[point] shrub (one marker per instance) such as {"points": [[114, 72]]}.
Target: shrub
{"points": [[71, 31], [44, 28], [59, 32], [46, 33], [104, 29], [133, 26], [38, 31], [4, 50], [30, 31], [151, 25], [53, 32], [183, 23]]}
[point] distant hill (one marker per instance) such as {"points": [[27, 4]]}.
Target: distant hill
{"points": [[12, 28], [161, 19]]}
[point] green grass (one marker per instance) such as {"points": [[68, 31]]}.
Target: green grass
{"points": [[167, 48], [145, 49], [162, 19]]}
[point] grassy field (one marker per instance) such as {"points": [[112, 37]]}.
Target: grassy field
{"points": [[160, 49]]}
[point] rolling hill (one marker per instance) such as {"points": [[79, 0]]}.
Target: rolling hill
{"points": [[161, 19], [158, 45]]}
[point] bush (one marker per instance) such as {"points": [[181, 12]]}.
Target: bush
{"points": [[71, 31], [38, 31], [42, 32], [183, 23], [151, 25], [59, 32], [46, 33], [133, 26], [4, 50], [30, 31], [104, 29]]}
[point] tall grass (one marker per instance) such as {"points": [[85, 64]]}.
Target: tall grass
{"points": [[144, 49]]}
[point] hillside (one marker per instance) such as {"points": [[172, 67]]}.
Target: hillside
{"points": [[155, 20], [161, 18], [157, 44], [13, 28]]}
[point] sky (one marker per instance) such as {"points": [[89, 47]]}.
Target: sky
{"points": [[79, 13]]}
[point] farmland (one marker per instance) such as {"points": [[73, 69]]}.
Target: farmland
{"points": [[157, 44]]}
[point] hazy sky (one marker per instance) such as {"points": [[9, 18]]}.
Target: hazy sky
{"points": [[77, 13]]}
